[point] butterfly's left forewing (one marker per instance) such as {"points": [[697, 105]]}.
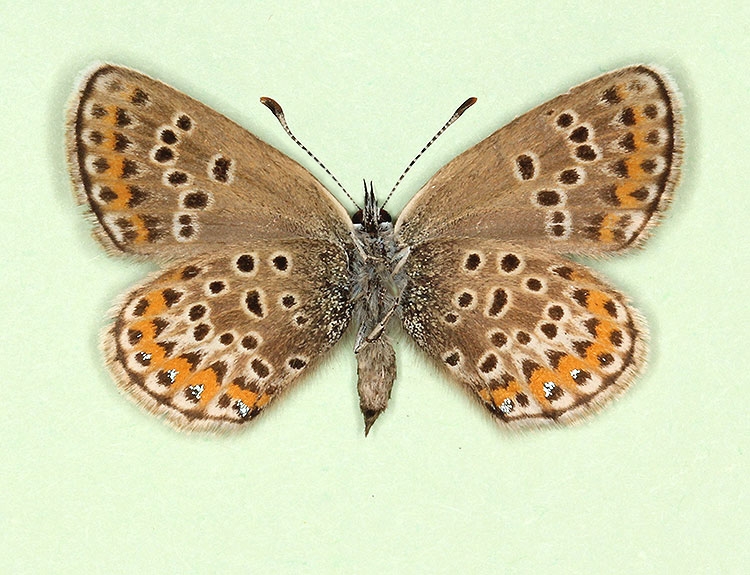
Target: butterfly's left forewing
{"points": [[536, 338], [165, 175]]}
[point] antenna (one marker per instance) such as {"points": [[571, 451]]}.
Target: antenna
{"points": [[456, 115], [275, 108]]}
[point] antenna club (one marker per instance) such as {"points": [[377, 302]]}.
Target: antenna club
{"points": [[465, 106], [272, 105]]}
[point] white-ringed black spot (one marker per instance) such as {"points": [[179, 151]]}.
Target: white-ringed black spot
{"points": [[534, 284], [177, 178], [498, 302], [510, 263], [453, 358], [522, 337], [465, 299], [565, 120], [296, 363], [569, 177], [472, 262], [548, 198], [226, 338], [579, 135], [184, 122], [498, 338], [216, 287], [171, 296], [488, 363], [195, 200], [280, 262], [196, 312], [260, 368], [525, 167], [220, 169], [200, 331], [549, 330], [245, 263], [555, 312], [253, 303], [168, 136], [450, 318], [288, 301], [163, 154], [249, 342], [586, 153]]}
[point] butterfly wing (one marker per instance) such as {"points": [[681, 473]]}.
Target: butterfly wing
{"points": [[588, 172], [536, 338], [167, 176], [209, 342]]}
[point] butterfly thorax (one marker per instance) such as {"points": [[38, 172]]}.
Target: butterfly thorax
{"points": [[374, 292]]}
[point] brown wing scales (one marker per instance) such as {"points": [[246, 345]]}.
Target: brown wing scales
{"points": [[535, 337]]}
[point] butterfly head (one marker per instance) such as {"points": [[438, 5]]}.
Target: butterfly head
{"points": [[372, 218]]}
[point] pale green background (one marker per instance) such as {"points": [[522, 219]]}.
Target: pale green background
{"points": [[656, 483]]}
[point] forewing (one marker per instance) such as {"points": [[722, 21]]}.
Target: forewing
{"points": [[167, 176], [535, 337], [588, 172], [210, 342]]}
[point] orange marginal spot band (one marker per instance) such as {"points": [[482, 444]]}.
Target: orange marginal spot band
{"points": [[607, 228], [499, 394], [597, 303], [623, 193]]}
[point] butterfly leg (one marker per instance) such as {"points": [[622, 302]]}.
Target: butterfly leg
{"points": [[393, 287]]}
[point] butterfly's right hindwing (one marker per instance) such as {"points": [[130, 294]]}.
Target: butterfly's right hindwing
{"points": [[167, 176], [211, 341], [535, 337]]}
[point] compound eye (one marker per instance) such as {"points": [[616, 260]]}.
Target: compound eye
{"points": [[384, 217], [357, 217]]}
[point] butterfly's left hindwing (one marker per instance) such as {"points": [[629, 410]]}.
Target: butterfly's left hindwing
{"points": [[535, 337], [210, 342]]}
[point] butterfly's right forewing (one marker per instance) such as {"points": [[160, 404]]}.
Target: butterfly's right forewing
{"points": [[588, 172]]}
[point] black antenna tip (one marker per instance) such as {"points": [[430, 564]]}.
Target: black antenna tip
{"points": [[272, 105], [465, 106]]}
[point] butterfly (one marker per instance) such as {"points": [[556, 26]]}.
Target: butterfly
{"points": [[263, 270]]}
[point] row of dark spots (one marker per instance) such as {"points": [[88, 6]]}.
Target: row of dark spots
{"points": [[583, 152], [159, 324], [220, 169], [186, 226], [581, 347], [129, 167], [136, 197], [246, 263], [154, 228], [169, 296]]}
